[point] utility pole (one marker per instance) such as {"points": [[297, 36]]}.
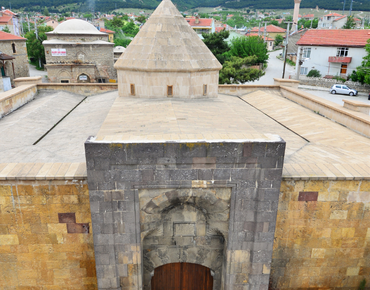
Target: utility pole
{"points": [[286, 47], [350, 8], [28, 20], [344, 5], [37, 37], [299, 62], [259, 29], [264, 32], [22, 32]]}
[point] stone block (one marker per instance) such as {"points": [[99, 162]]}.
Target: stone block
{"points": [[9, 240], [67, 217], [339, 214], [318, 253], [308, 196], [353, 271]]}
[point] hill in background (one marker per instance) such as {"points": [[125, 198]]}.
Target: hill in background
{"points": [[182, 5]]}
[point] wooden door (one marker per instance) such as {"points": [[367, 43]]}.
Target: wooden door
{"points": [[343, 69], [182, 276]]}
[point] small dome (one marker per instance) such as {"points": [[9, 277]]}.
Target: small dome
{"points": [[76, 26], [119, 49]]}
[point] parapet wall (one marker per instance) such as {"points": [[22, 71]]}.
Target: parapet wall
{"points": [[85, 89], [15, 98], [356, 121]]}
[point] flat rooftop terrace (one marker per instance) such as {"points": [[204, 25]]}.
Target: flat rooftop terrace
{"points": [[316, 146]]}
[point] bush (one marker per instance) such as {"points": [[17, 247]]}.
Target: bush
{"points": [[340, 79], [314, 73]]}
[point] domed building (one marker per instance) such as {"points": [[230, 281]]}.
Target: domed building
{"points": [[77, 52], [167, 59]]}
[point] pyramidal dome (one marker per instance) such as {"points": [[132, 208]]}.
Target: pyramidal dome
{"points": [[167, 42]]}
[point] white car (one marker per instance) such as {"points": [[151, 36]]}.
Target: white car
{"points": [[343, 89]]}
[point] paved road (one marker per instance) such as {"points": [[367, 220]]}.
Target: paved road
{"points": [[274, 70], [36, 73], [338, 99]]}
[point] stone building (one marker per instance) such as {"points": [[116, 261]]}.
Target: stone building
{"points": [[167, 59], [118, 51], [251, 189], [77, 52], [15, 47]]}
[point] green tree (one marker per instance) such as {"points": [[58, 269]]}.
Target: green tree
{"points": [[122, 42], [130, 29], [237, 71], [249, 46], [46, 12], [141, 19], [278, 40], [6, 29], [35, 49], [216, 42], [350, 24], [88, 16], [116, 22], [363, 72]]}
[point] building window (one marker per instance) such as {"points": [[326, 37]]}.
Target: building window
{"points": [[169, 91], [205, 90], [342, 51], [304, 70], [132, 90], [64, 81], [307, 52], [13, 47]]}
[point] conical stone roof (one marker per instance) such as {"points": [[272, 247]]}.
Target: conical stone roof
{"points": [[167, 43]]}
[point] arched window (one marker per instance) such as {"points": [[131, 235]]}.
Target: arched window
{"points": [[13, 47]]}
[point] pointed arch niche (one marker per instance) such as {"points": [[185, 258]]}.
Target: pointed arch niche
{"points": [[184, 226]]}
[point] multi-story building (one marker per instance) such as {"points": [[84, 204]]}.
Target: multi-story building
{"points": [[334, 52]]}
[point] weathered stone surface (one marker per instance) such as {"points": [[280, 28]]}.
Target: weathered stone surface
{"points": [[165, 214], [321, 244]]}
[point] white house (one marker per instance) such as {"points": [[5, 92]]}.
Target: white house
{"points": [[333, 52], [326, 22]]}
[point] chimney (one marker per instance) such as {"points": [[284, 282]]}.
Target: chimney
{"points": [[197, 19]]}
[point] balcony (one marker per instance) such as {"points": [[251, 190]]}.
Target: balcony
{"points": [[340, 59]]}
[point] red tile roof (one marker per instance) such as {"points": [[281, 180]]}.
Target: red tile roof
{"points": [[270, 29], [335, 37], [340, 18], [7, 36], [256, 34], [219, 29], [7, 11], [70, 18], [333, 14], [106, 30], [309, 16], [5, 19], [202, 22]]}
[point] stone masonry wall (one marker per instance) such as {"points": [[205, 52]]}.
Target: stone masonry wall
{"points": [[322, 238], [328, 83], [118, 172], [21, 68], [92, 60], [154, 84], [45, 236]]}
